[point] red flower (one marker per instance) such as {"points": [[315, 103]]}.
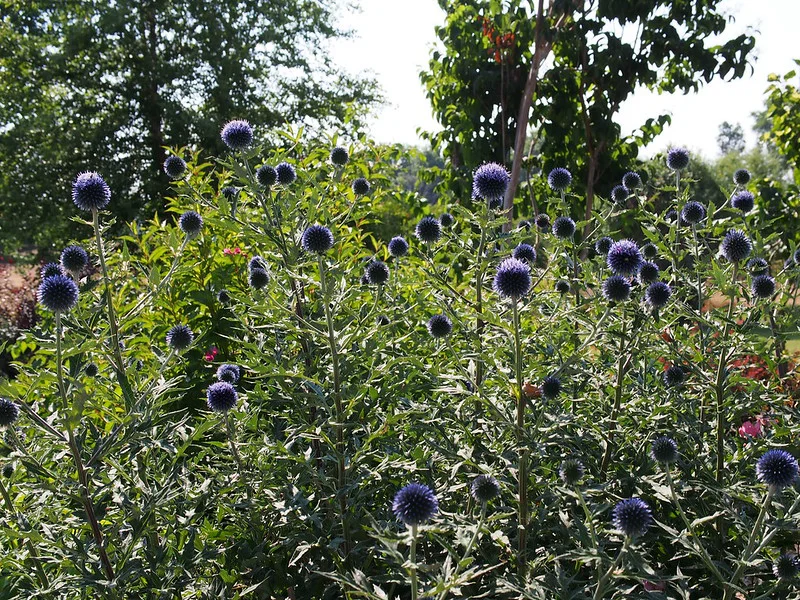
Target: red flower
{"points": [[750, 429], [211, 354]]}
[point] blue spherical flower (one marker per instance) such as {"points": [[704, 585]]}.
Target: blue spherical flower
{"points": [[377, 272], [743, 201], [398, 246], [237, 135], [258, 278], [693, 212], [616, 289], [490, 181], [361, 187], [678, 159], [51, 269], [484, 488], [415, 504], [648, 272], [571, 471], [649, 251], [74, 259], [559, 179], [620, 194], [91, 370], [513, 279], [777, 468], [786, 567], [257, 262], [550, 387], [223, 296], [758, 266], [525, 252], [603, 245], [624, 257], [736, 246], [741, 177], [317, 238], [58, 293], [9, 412], [180, 337], [762, 286], [190, 223], [631, 180], [562, 286], [229, 373], [524, 224], [221, 396], [632, 517], [446, 220], [658, 294], [428, 230], [266, 175], [339, 156], [543, 222], [174, 167], [674, 376], [286, 173], [231, 193], [439, 326], [564, 228], [664, 450], [90, 192]]}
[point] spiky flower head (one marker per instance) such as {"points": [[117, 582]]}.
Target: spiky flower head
{"points": [[286, 173], [603, 245], [180, 337], [74, 259], [513, 279], [415, 504], [648, 272], [428, 230], [631, 180], [524, 224], [649, 251], [632, 516], [678, 159], [741, 177], [266, 175], [9, 412], [657, 294], [257, 262], [758, 266], [231, 193], [91, 370], [361, 187], [616, 289], [221, 396], [564, 228], [743, 201], [550, 387], [174, 167], [317, 239], [439, 326], [762, 286], [237, 135], [571, 471], [736, 246], [559, 179], [339, 156], [58, 293], [90, 192], [229, 373], [693, 212], [446, 220], [398, 246], [786, 566], [190, 223], [674, 376], [258, 278], [525, 252], [777, 468], [223, 296], [377, 272], [490, 181], [562, 286], [619, 194], [543, 222], [624, 257], [484, 488], [51, 269], [664, 450]]}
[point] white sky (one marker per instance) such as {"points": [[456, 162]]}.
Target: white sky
{"points": [[394, 38]]}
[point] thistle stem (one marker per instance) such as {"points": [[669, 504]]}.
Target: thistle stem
{"points": [[412, 559], [523, 452], [622, 364], [601, 585], [748, 553], [719, 386]]}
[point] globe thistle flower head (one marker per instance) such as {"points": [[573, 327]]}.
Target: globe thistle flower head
{"points": [[180, 337], [796, 257], [377, 272], [571, 471], [616, 289], [91, 370], [657, 294], [743, 201], [786, 566], [446, 220], [736, 246], [678, 159], [221, 396], [564, 228], [648, 272], [231, 193], [559, 179], [758, 266], [74, 259], [603, 245], [223, 296], [267, 176], [9, 412], [631, 180], [190, 223], [649, 251], [543, 222], [229, 373], [562, 286], [398, 246], [58, 293], [624, 258], [90, 192], [490, 181], [664, 450], [174, 167], [257, 262], [237, 135], [484, 488], [361, 187], [51, 269], [339, 156], [513, 279], [258, 278], [619, 194], [439, 326], [317, 239], [428, 230], [632, 517], [693, 212], [550, 387], [524, 224], [762, 286], [414, 504], [741, 177], [674, 376], [525, 252], [777, 468], [286, 173]]}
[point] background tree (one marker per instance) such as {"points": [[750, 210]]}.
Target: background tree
{"points": [[93, 85], [730, 138]]}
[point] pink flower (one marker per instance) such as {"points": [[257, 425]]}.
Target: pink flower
{"points": [[650, 586], [231, 251], [750, 429], [211, 354]]}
